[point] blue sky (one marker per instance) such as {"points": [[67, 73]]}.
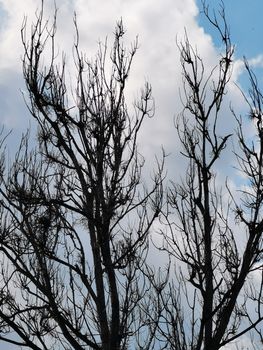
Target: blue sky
{"points": [[157, 23], [246, 29], [245, 22]]}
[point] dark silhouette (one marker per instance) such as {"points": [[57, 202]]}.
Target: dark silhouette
{"points": [[76, 216]]}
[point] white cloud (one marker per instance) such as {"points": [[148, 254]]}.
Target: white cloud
{"points": [[256, 61], [156, 23], [239, 67]]}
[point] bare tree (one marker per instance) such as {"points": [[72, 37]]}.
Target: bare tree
{"points": [[215, 297], [75, 215]]}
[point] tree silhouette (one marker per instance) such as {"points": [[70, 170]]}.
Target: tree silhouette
{"points": [[214, 298], [75, 215]]}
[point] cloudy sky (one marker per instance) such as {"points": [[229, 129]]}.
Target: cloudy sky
{"points": [[157, 24]]}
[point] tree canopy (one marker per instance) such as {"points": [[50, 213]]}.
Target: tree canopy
{"points": [[79, 221]]}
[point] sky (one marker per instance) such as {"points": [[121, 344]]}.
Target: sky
{"points": [[158, 25]]}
